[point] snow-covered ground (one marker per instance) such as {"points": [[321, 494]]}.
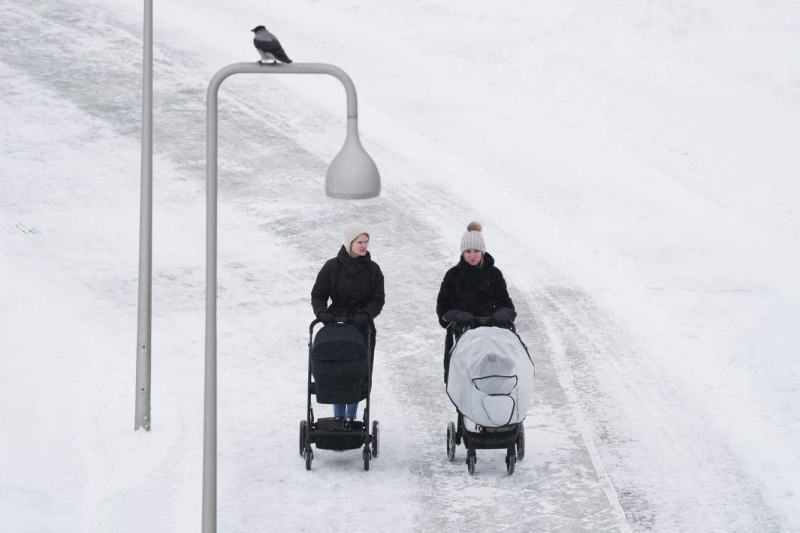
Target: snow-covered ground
{"points": [[635, 167]]}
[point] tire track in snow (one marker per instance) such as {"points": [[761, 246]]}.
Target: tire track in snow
{"points": [[657, 449]]}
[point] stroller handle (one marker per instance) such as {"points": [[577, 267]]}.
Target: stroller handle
{"points": [[476, 321], [336, 319], [479, 321]]}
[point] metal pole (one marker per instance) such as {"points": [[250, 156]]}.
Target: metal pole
{"points": [[142, 416], [210, 397]]}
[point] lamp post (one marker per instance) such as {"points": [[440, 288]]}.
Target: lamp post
{"points": [[352, 174], [143, 336]]}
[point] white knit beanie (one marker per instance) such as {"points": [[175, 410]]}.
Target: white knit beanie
{"points": [[472, 239], [351, 233]]}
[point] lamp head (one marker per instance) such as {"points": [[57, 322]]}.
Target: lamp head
{"points": [[352, 173]]}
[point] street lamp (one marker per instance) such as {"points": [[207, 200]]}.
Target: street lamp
{"points": [[352, 174]]}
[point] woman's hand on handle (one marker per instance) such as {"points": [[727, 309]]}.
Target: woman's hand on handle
{"points": [[325, 317], [360, 319], [503, 316], [463, 318]]}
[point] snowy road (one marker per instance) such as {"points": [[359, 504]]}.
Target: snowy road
{"points": [[614, 443]]}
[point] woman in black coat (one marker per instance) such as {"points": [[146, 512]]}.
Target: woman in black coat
{"points": [[473, 288], [354, 284]]}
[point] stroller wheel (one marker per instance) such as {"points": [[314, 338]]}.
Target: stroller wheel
{"points": [[309, 457], [367, 456], [521, 442], [511, 461], [451, 441], [303, 431], [375, 433], [471, 458]]}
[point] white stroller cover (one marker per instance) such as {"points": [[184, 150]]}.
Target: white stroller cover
{"points": [[491, 377]]}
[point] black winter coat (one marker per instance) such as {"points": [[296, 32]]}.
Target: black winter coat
{"points": [[478, 289], [353, 284]]}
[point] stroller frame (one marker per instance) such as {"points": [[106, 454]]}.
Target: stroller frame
{"points": [[510, 437], [335, 433]]}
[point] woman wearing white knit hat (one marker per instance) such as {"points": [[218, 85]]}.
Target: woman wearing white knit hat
{"points": [[353, 283], [473, 288]]}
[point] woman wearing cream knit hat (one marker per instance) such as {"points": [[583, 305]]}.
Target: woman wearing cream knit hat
{"points": [[473, 288], [353, 283]]}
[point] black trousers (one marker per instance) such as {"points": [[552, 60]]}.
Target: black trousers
{"points": [[449, 341]]}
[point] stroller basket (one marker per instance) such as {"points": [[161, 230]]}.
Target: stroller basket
{"points": [[330, 435], [339, 364], [493, 438]]}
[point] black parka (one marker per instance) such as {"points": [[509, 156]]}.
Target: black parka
{"points": [[353, 284], [479, 289]]}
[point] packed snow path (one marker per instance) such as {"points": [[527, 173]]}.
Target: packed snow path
{"points": [[612, 444]]}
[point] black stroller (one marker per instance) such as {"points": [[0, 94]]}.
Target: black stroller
{"points": [[508, 435], [341, 367]]}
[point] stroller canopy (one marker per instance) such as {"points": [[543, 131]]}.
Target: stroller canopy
{"points": [[491, 377]]}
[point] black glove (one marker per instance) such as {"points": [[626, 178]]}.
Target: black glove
{"points": [[360, 320], [503, 316], [464, 318], [325, 317]]}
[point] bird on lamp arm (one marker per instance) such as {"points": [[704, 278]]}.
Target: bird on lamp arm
{"points": [[269, 47]]}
